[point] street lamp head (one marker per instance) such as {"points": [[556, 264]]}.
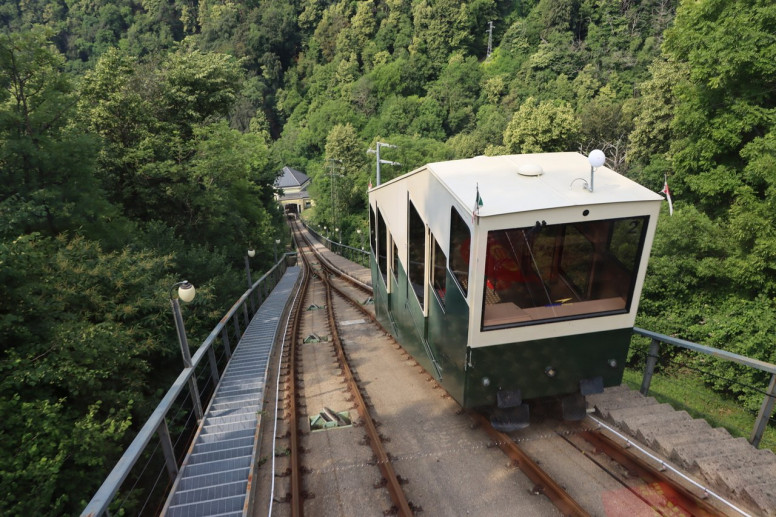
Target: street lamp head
{"points": [[277, 241], [186, 291], [251, 253], [596, 158], [358, 231]]}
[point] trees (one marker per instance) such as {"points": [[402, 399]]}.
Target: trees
{"points": [[723, 127], [79, 332], [457, 91], [47, 165], [110, 193], [726, 104], [541, 127], [167, 156], [341, 186], [707, 120]]}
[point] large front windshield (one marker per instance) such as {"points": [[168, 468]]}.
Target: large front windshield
{"points": [[550, 272]]}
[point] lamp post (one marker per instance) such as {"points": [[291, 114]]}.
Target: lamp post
{"points": [[339, 235], [277, 241], [186, 292], [360, 238], [251, 254]]}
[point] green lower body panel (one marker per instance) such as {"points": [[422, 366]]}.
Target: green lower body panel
{"points": [[400, 315], [437, 342], [381, 298], [525, 366], [448, 331]]}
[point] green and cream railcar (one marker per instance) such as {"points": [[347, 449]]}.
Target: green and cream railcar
{"points": [[513, 278]]}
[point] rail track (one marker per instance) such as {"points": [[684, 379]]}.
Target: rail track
{"points": [[316, 274], [323, 282]]}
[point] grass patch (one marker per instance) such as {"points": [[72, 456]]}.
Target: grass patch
{"points": [[685, 391]]}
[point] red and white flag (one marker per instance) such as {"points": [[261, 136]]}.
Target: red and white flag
{"points": [[667, 192]]}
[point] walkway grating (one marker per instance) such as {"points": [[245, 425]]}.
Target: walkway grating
{"points": [[213, 479]]}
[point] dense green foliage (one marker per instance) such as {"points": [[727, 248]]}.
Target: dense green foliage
{"points": [[116, 184], [139, 140]]}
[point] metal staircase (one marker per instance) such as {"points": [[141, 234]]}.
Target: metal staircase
{"points": [[215, 474]]}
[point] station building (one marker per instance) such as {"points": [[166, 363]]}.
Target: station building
{"points": [[291, 191]]}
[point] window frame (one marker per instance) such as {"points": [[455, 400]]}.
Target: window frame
{"points": [[437, 270], [381, 255], [453, 239], [598, 258], [414, 251]]}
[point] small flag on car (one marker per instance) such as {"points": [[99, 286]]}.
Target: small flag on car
{"points": [[667, 192], [477, 205]]}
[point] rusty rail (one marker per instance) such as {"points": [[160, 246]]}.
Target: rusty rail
{"points": [[677, 494], [297, 499], [383, 461], [544, 482]]}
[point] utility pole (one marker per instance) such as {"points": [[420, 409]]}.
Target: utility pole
{"points": [[379, 161], [490, 39]]}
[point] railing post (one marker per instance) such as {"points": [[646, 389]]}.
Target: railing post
{"points": [[766, 410], [649, 369], [253, 305], [236, 321], [213, 364], [167, 450], [247, 316], [195, 398], [225, 338]]}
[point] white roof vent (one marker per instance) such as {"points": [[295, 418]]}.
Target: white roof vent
{"points": [[530, 169]]}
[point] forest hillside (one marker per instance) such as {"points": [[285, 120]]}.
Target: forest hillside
{"points": [[139, 141]]}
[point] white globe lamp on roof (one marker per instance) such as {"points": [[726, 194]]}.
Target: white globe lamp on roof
{"points": [[596, 159]]}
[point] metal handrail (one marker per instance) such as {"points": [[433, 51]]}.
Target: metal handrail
{"points": [[157, 423], [766, 409], [362, 256]]}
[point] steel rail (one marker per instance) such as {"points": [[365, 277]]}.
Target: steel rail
{"points": [[327, 264], [503, 440], [545, 483], [288, 337], [674, 492], [383, 461], [297, 498], [557, 495], [664, 464]]}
